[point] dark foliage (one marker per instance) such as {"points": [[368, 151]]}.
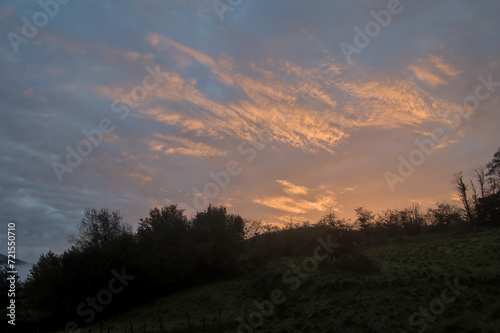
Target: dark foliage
{"points": [[488, 210], [217, 235], [98, 228], [164, 254]]}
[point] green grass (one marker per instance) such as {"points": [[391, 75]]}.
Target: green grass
{"points": [[411, 274]]}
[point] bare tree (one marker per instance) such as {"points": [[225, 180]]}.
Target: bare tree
{"points": [[479, 175], [462, 193]]}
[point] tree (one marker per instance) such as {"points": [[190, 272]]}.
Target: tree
{"points": [[218, 235], [254, 228], [43, 284], [164, 245], [365, 218], [488, 210], [57, 284], [167, 224], [483, 207], [445, 214], [389, 220], [332, 221], [493, 173], [412, 220], [479, 180], [462, 194], [99, 227]]}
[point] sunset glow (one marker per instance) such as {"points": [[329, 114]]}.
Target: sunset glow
{"points": [[134, 104]]}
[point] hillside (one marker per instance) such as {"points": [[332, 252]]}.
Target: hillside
{"points": [[456, 277]]}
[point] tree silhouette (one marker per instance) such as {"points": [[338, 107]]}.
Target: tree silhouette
{"points": [[98, 228], [164, 245], [44, 282], [462, 189], [445, 214], [494, 173], [218, 235], [365, 218]]}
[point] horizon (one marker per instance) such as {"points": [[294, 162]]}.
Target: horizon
{"points": [[278, 111]]}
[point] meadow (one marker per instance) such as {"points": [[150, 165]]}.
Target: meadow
{"points": [[407, 276]]}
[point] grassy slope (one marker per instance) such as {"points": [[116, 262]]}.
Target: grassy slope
{"points": [[330, 299]]}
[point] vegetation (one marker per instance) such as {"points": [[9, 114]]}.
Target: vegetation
{"points": [[412, 272], [216, 270], [480, 194]]}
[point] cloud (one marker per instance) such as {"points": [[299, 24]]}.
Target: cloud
{"points": [[187, 147], [427, 77], [271, 67], [299, 201], [293, 189], [264, 91], [426, 70]]}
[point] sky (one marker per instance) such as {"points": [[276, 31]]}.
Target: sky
{"points": [[279, 110]]}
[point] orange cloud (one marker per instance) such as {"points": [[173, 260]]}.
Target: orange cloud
{"points": [[184, 147], [426, 68], [323, 104], [302, 202], [427, 77], [293, 189]]}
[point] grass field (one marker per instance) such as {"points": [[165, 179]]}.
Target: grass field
{"points": [[416, 275]]}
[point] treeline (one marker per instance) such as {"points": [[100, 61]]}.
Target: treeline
{"points": [[109, 267], [168, 252]]}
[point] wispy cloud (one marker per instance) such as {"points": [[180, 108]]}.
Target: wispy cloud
{"points": [[184, 147], [342, 125], [432, 71], [300, 202]]}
